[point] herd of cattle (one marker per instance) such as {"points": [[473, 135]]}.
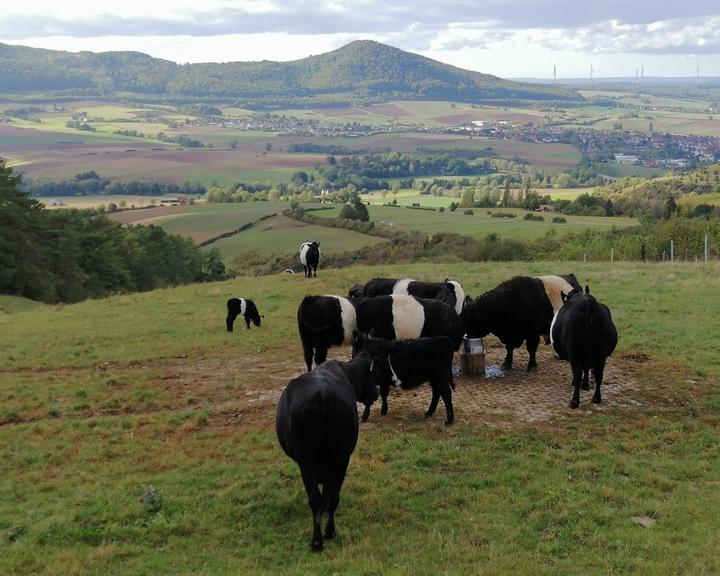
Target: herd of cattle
{"points": [[405, 333]]}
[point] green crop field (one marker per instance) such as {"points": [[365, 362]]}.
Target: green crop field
{"points": [[137, 438], [408, 197], [282, 236], [204, 221], [480, 224]]}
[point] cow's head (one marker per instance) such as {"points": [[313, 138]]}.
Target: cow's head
{"points": [[356, 291], [477, 318], [367, 343], [365, 384]]}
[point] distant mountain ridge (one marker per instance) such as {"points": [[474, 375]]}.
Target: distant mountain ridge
{"points": [[362, 71]]}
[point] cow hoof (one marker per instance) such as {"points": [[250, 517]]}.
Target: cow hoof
{"points": [[449, 422], [506, 366], [574, 404], [596, 400], [316, 545], [329, 535], [383, 412], [428, 414], [531, 368], [586, 386]]}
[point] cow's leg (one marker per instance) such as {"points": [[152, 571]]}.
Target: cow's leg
{"points": [[434, 402], [315, 502], [598, 376], [305, 268], [577, 372], [586, 380], [332, 490], [446, 394], [247, 322], [384, 390], [320, 354], [532, 344], [308, 354], [315, 271], [507, 364]]}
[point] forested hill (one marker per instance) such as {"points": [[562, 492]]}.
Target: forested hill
{"points": [[360, 71]]}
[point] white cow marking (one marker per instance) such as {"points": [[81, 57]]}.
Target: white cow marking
{"points": [[408, 317], [304, 247], [401, 286], [552, 325], [348, 317], [554, 285], [243, 306], [459, 295]]}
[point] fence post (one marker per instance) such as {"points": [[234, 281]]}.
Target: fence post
{"points": [[612, 255], [672, 250], [585, 257], [706, 247]]}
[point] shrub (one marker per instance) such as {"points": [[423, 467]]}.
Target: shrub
{"points": [[468, 212], [441, 209], [559, 220], [533, 217], [151, 500]]}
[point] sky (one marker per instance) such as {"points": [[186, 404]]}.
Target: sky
{"points": [[508, 38]]}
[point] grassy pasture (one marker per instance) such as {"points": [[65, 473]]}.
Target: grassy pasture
{"points": [[408, 197], [282, 236], [94, 200], [102, 399], [480, 224]]}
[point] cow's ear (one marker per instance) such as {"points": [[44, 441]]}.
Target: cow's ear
{"points": [[372, 333], [563, 296], [587, 289]]}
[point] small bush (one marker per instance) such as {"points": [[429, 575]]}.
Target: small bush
{"points": [[534, 217], [468, 212], [559, 220], [151, 500], [502, 214], [441, 209]]}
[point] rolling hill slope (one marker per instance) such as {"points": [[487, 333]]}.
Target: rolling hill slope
{"points": [[360, 71]]}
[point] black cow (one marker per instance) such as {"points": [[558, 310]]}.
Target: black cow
{"points": [[449, 291], [516, 311], [583, 333], [244, 307], [317, 426], [409, 363], [325, 321], [310, 257]]}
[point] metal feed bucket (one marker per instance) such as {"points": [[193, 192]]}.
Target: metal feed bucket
{"points": [[472, 356]]}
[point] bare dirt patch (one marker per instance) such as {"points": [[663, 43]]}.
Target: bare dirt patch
{"points": [[246, 390]]}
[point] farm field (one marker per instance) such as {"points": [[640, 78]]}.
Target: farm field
{"points": [[141, 441], [201, 222], [282, 236], [480, 224], [408, 197], [95, 200]]}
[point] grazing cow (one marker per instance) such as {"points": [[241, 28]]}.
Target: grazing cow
{"points": [[317, 426], [516, 311], [244, 307], [583, 333], [310, 257], [325, 321], [449, 291], [408, 363]]}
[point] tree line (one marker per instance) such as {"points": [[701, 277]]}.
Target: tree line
{"points": [[69, 255]]}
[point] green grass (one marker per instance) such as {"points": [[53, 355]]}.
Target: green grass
{"points": [[480, 224], [281, 235], [15, 304], [82, 440]]}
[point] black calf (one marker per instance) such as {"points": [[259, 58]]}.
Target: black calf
{"points": [[410, 363]]}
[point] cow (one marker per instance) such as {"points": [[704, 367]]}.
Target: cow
{"points": [[449, 291], [583, 333], [325, 321], [317, 426], [516, 311], [244, 307], [407, 364], [310, 257]]}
